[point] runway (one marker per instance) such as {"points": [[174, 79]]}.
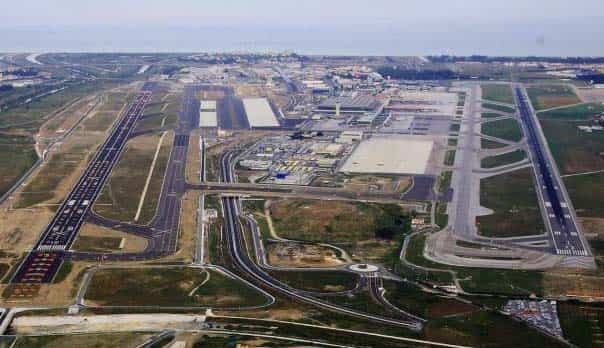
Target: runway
{"points": [[560, 218], [42, 263]]}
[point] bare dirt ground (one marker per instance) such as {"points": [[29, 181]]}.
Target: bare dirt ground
{"points": [[248, 90], [20, 228], [591, 95], [593, 227], [301, 255]]}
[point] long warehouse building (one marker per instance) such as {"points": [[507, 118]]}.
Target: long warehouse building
{"points": [[259, 113]]}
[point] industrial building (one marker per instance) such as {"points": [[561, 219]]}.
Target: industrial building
{"points": [[260, 113], [390, 155], [356, 104], [207, 114]]}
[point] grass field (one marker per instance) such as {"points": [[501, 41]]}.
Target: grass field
{"points": [[513, 198], [489, 144], [369, 232], [97, 244], [489, 115], [17, 155], [500, 160], [418, 302], [32, 115], [581, 112], [497, 107], [582, 324], [336, 221], [551, 96], [575, 151], [120, 197], [507, 129], [161, 112], [487, 329], [104, 340], [586, 194], [499, 93], [318, 281], [174, 286]]}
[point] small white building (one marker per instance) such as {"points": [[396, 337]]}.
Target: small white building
{"points": [[349, 137]]}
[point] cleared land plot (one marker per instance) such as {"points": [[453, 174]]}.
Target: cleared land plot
{"points": [[499, 93], [259, 112], [500, 160], [120, 197], [108, 340], [284, 254], [498, 107], [551, 96], [318, 281], [393, 155], [173, 286], [513, 198], [507, 129], [575, 151]]}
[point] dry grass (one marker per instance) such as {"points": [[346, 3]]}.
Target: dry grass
{"points": [[132, 243], [66, 119], [247, 90], [193, 167], [573, 282]]}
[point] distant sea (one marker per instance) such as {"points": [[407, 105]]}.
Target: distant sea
{"points": [[551, 37]]}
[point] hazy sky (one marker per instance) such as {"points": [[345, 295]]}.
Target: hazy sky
{"points": [[327, 26], [80, 12]]}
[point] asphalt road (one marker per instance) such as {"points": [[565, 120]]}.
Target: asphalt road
{"points": [[237, 250]]}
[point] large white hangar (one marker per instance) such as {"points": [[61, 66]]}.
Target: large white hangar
{"points": [[390, 155], [207, 114], [259, 113]]}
